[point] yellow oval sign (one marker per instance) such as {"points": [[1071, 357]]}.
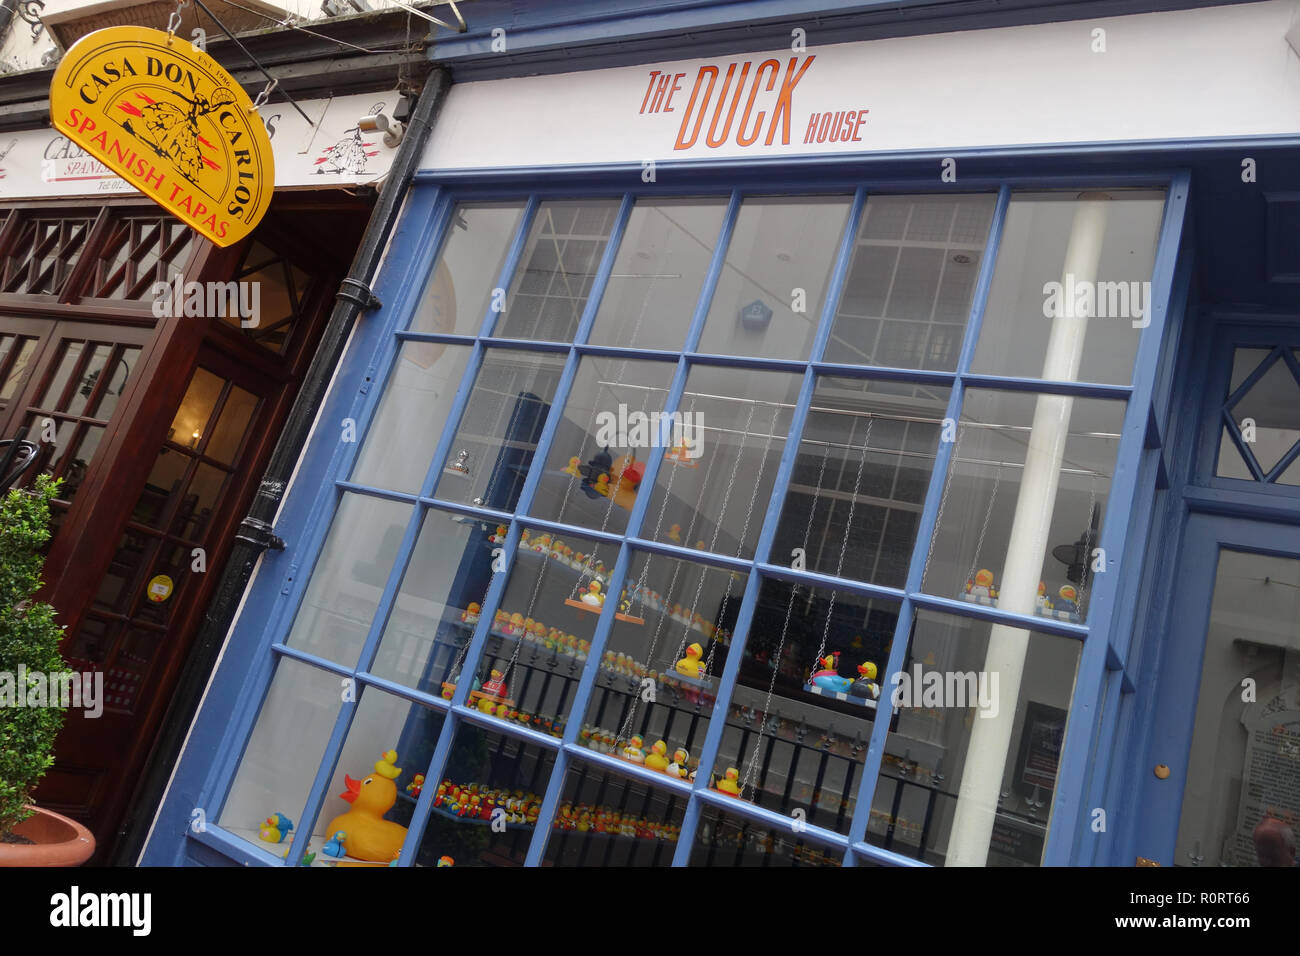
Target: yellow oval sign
{"points": [[160, 588], [172, 122]]}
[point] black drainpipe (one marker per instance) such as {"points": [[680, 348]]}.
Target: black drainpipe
{"points": [[7, 10], [255, 534]]}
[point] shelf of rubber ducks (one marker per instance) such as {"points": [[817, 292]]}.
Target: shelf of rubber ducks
{"points": [[553, 653]]}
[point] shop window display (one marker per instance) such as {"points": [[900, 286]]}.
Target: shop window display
{"points": [[620, 559]]}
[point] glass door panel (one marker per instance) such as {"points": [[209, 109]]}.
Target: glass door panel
{"points": [[1241, 801]]}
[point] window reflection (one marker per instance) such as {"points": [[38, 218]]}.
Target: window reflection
{"points": [[655, 282], [769, 297], [909, 288], [558, 268], [1099, 248]]}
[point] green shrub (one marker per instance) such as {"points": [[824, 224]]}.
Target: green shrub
{"points": [[28, 636]]}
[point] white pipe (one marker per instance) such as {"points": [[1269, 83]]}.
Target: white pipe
{"points": [[990, 739]]}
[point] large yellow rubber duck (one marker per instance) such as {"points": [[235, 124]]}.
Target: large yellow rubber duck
{"points": [[689, 666], [369, 835], [657, 758]]}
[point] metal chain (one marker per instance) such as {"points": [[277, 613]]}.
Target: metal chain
{"points": [[979, 544], [740, 543], [717, 527], [844, 543], [785, 629]]}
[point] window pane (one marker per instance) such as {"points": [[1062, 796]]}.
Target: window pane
{"points": [[284, 751], [80, 460], [164, 482], [349, 578], [460, 291], [655, 284], [1101, 289], [387, 750], [24, 348], [1025, 545], [769, 298], [860, 479], [610, 428], [118, 587], [1269, 416], [200, 501], [400, 441], [713, 488], [442, 590], [486, 771], [498, 432], [972, 763], [119, 375], [52, 397], [77, 402], [730, 840], [228, 434], [908, 292], [195, 410], [559, 265], [599, 811], [656, 690], [805, 701]]}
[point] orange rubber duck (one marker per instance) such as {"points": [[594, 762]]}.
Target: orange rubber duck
{"points": [[369, 835]]}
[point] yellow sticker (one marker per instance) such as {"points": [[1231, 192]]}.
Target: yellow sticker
{"points": [[168, 119], [160, 588]]}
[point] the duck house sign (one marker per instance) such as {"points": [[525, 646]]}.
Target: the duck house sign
{"points": [[172, 122]]}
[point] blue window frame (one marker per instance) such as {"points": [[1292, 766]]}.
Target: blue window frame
{"points": [[963, 372]]}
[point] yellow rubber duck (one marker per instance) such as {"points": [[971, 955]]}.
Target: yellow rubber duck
{"points": [[602, 485], [369, 835], [573, 467], [593, 595], [675, 533], [728, 783], [657, 758], [689, 666]]}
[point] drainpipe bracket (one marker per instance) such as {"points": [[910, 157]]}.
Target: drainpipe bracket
{"points": [[357, 292], [258, 533]]}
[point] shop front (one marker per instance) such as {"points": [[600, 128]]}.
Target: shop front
{"points": [[155, 370], [792, 464]]}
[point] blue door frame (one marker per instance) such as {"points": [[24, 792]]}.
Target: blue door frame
{"points": [[1159, 802]]}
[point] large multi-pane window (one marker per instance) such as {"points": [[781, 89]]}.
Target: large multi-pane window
{"points": [[717, 530]]}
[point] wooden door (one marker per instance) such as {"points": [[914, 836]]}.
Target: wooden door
{"points": [[133, 629]]}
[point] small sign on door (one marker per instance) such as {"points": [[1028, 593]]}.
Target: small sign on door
{"points": [[160, 588]]}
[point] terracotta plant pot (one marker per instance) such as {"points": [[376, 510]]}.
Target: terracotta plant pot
{"points": [[56, 841]]}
